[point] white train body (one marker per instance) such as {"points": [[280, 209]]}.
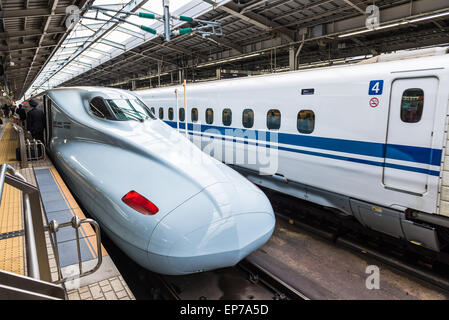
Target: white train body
{"points": [[370, 154]]}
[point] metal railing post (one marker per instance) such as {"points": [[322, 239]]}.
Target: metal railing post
{"points": [[32, 261], [76, 223], [22, 147], [36, 249]]}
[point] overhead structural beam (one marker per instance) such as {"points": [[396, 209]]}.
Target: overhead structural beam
{"points": [[76, 40], [81, 4], [354, 6], [130, 32], [305, 7], [29, 13], [80, 63], [28, 46], [112, 43], [226, 43], [257, 20], [29, 33], [253, 5], [98, 34], [53, 6]]}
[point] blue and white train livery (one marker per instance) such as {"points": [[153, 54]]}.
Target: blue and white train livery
{"points": [[367, 139]]}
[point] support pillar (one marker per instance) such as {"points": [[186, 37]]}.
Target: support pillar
{"points": [[291, 58]]}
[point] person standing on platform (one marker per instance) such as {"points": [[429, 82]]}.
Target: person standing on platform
{"points": [[36, 121], [22, 115], [6, 110]]}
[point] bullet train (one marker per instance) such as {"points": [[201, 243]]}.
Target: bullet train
{"points": [[367, 140], [169, 206]]}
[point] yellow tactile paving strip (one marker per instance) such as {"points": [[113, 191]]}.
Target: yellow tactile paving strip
{"points": [[8, 146], [11, 249], [11, 255], [86, 230], [10, 210]]}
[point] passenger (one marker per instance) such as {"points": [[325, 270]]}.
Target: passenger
{"points": [[22, 115], [6, 110], [36, 121]]}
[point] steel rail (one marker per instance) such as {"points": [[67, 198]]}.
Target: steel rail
{"points": [[271, 281]]}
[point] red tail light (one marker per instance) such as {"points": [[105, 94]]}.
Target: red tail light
{"points": [[140, 203]]}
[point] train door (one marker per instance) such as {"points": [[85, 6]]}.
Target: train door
{"points": [[408, 153]]}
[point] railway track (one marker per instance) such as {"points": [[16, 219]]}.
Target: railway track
{"points": [[245, 281], [282, 290], [414, 261], [250, 272]]}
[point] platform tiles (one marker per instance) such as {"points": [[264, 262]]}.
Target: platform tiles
{"points": [[11, 231], [11, 224], [8, 143], [59, 205]]}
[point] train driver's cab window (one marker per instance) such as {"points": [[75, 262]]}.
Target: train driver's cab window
{"points": [[154, 111], [306, 121], [273, 119], [182, 114], [412, 105], [209, 116], [170, 114], [130, 109], [248, 118], [194, 115], [100, 109], [161, 113], [227, 117]]}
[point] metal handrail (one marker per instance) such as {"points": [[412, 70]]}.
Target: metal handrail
{"points": [[75, 223], [38, 267], [35, 143], [37, 262], [23, 153]]}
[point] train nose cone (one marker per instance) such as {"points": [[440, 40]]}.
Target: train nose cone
{"points": [[214, 229]]}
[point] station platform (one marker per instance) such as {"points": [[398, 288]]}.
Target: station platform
{"points": [[57, 203]]}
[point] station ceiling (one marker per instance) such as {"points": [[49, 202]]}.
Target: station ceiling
{"points": [[30, 32], [258, 36]]}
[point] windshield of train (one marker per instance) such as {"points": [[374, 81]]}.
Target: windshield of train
{"points": [[126, 109]]}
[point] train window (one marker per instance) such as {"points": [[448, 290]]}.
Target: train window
{"points": [[170, 114], [306, 121], [194, 115], [209, 116], [182, 114], [273, 119], [248, 118], [154, 111], [130, 109], [227, 117], [412, 105], [161, 113], [99, 108]]}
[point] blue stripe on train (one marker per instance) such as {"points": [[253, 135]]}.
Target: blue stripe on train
{"points": [[398, 152]]}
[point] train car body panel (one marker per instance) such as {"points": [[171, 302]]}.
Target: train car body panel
{"points": [[103, 160], [366, 144]]}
